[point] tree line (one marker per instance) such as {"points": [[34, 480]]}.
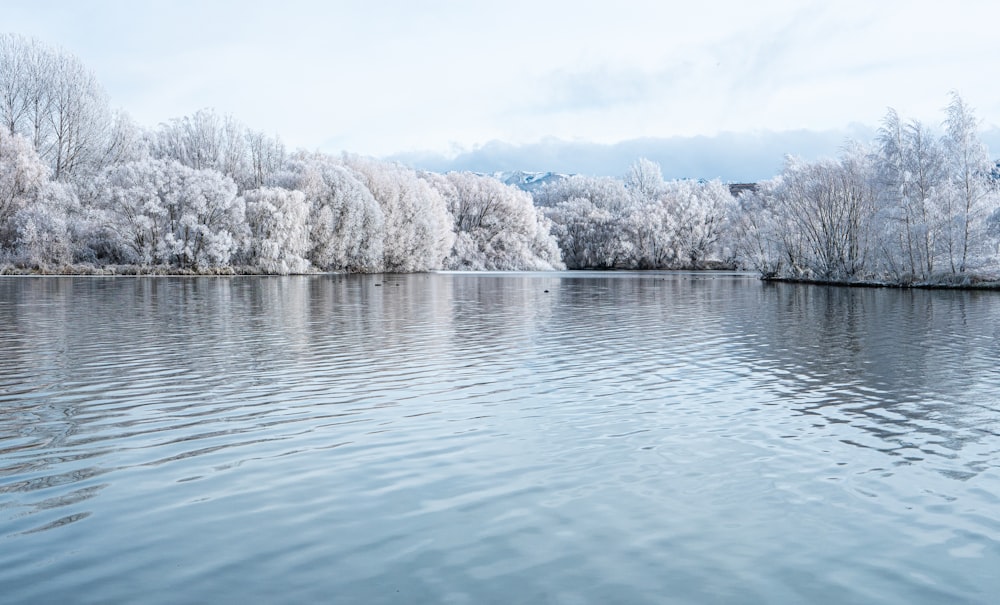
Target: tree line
{"points": [[83, 186], [912, 206], [640, 221]]}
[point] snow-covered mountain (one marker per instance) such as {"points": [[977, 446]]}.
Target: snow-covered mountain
{"points": [[529, 181]]}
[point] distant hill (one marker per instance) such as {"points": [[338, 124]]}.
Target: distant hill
{"points": [[529, 181], [733, 157]]}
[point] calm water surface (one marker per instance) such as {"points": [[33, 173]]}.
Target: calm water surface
{"points": [[487, 438]]}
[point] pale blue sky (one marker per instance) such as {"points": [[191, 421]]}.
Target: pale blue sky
{"points": [[391, 77]]}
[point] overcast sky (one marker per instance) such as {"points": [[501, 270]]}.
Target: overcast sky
{"points": [[457, 78]]}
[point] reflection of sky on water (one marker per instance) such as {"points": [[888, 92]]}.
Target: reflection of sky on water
{"points": [[915, 370], [576, 434]]}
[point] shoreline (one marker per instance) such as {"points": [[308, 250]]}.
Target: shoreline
{"points": [[140, 271], [969, 282], [84, 270]]}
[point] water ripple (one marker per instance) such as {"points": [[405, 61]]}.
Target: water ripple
{"points": [[473, 438]]}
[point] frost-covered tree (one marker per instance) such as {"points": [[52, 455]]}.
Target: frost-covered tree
{"points": [[126, 141], [165, 213], [590, 218], [43, 228], [760, 232], [696, 217], [417, 227], [910, 174], [638, 222], [915, 209], [22, 176], [589, 235], [831, 211], [51, 99], [346, 223], [497, 225], [815, 221], [206, 140], [278, 238], [646, 229], [79, 117], [605, 192], [644, 179], [267, 159], [969, 199]]}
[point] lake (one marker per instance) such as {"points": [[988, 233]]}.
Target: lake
{"points": [[496, 438]]}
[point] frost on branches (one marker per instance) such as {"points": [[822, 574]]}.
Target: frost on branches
{"points": [[417, 233], [343, 222], [912, 208], [498, 226], [639, 222], [84, 188], [33, 211], [163, 213], [278, 237], [22, 177]]}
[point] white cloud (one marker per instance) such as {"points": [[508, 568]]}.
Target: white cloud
{"points": [[735, 157], [389, 77]]}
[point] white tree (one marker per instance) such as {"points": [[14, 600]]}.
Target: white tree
{"points": [[126, 141], [968, 200], [645, 226], [267, 158], [79, 119], [346, 223], [830, 206], [207, 140], [22, 176], [644, 179], [50, 98], [759, 230], [640, 221], [815, 221], [278, 240], [589, 235], [605, 192], [43, 235], [497, 225], [910, 173], [418, 233], [167, 213], [593, 221], [698, 216]]}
